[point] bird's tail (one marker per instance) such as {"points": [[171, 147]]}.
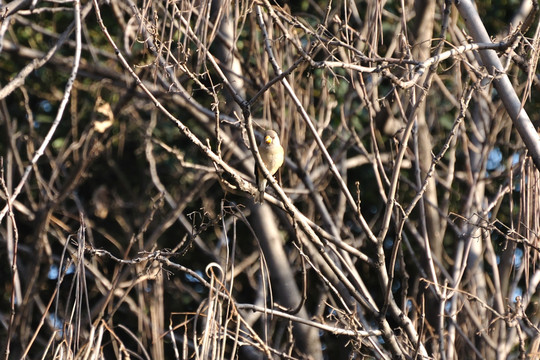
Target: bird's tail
{"points": [[262, 186]]}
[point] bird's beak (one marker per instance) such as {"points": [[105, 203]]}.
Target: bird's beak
{"points": [[268, 139]]}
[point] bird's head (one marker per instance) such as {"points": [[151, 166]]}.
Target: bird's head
{"points": [[270, 137]]}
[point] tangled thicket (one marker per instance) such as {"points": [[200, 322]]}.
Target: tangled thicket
{"points": [[404, 223]]}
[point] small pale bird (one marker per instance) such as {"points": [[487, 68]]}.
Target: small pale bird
{"points": [[272, 155]]}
